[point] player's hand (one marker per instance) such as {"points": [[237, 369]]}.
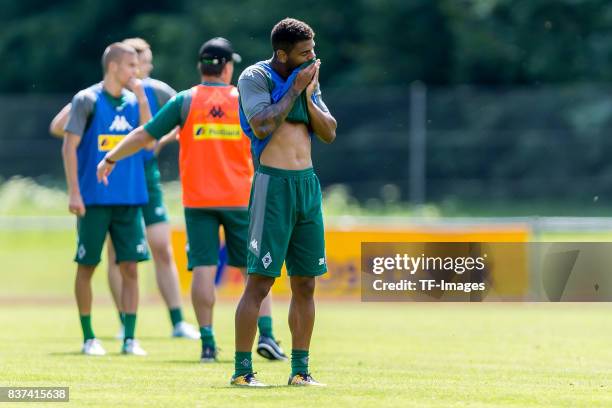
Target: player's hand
{"points": [[75, 205], [104, 169], [153, 147], [135, 85], [314, 84], [304, 77]]}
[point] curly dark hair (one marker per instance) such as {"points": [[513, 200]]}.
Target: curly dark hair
{"points": [[289, 31]]}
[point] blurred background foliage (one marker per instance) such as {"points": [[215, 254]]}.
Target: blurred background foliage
{"points": [[56, 46], [518, 107]]}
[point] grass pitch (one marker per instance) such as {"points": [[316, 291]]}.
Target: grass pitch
{"points": [[421, 355], [370, 354]]}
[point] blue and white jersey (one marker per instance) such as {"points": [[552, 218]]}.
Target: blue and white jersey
{"points": [[108, 124]]}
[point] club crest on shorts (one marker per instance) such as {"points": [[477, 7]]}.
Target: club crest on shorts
{"points": [[266, 260], [81, 251]]}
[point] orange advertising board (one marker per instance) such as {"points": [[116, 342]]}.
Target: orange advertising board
{"points": [[343, 250]]}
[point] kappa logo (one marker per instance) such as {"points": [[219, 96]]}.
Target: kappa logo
{"points": [[266, 260], [321, 261], [254, 244], [120, 124], [248, 73], [216, 112], [159, 211], [141, 248]]}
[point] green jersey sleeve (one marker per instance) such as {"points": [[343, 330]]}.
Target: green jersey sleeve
{"points": [[168, 117]]}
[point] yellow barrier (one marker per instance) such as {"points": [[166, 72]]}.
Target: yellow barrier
{"points": [[343, 250]]}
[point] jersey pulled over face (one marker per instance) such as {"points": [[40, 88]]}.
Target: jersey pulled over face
{"points": [[301, 52], [289, 147]]}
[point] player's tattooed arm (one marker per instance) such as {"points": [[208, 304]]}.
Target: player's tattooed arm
{"points": [[269, 119]]}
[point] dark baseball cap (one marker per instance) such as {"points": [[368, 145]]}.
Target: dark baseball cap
{"points": [[218, 51]]}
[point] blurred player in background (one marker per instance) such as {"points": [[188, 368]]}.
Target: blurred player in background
{"points": [[280, 110], [154, 212], [99, 117], [216, 172]]}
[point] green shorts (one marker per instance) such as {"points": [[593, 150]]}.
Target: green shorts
{"points": [[155, 211], [123, 222], [203, 236], [286, 223]]}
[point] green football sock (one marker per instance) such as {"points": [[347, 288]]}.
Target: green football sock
{"points": [[208, 338], [86, 326], [130, 325], [264, 323], [299, 362], [243, 363], [122, 318], [176, 316]]}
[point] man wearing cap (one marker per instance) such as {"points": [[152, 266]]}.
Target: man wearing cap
{"points": [[216, 171]]}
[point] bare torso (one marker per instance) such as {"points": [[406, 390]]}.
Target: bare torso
{"points": [[289, 148]]}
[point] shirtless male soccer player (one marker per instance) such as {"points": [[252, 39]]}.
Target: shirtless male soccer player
{"points": [[281, 109]]}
